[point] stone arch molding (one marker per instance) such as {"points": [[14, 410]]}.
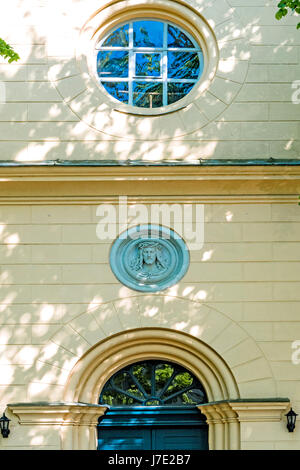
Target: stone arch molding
{"points": [[91, 347], [235, 366], [227, 52]]}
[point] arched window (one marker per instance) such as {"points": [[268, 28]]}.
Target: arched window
{"points": [[149, 63], [153, 383]]}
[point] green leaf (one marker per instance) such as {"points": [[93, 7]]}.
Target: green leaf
{"points": [[7, 51], [287, 6]]}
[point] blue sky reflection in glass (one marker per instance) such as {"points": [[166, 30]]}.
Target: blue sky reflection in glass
{"points": [[149, 63], [176, 91], [118, 90], [183, 65], [177, 38], [147, 94], [119, 38], [112, 64], [148, 33]]}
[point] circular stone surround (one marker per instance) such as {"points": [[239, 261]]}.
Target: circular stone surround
{"points": [[222, 36], [117, 13], [149, 258]]}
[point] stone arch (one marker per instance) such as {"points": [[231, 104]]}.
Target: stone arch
{"points": [[224, 338], [91, 373], [99, 342]]}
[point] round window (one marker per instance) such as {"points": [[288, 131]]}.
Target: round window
{"points": [[148, 63]]}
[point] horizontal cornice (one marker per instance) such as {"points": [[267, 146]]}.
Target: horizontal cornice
{"points": [[147, 173], [87, 184], [162, 163]]}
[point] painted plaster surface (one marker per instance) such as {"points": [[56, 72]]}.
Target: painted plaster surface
{"points": [[59, 298], [240, 296], [52, 109]]}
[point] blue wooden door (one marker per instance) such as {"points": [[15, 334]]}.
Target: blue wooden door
{"points": [[124, 439], [193, 438], [152, 439], [153, 428]]}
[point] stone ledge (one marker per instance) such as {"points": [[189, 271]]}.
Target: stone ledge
{"points": [[27, 183], [248, 409], [57, 413]]}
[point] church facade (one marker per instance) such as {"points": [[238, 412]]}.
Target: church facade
{"points": [[150, 226]]}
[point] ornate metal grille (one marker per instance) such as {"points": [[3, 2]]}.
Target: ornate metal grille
{"points": [[153, 383]]}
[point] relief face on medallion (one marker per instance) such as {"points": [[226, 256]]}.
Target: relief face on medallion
{"points": [[149, 258]]}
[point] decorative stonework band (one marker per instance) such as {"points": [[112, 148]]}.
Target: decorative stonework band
{"points": [[78, 421]]}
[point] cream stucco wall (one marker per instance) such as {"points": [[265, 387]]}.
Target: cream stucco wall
{"points": [[59, 297], [52, 108], [238, 305]]}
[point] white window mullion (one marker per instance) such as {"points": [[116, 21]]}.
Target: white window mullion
{"points": [[165, 65], [131, 65]]}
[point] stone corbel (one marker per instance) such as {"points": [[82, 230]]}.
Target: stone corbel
{"points": [[226, 417], [77, 421], [223, 426], [259, 411]]}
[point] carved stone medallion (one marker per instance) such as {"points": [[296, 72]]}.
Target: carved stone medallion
{"points": [[149, 258]]}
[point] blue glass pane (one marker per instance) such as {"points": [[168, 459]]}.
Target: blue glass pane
{"points": [[118, 90], [183, 65], [148, 33], [118, 38], [147, 94], [148, 65], [176, 91], [176, 38], [112, 64]]}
